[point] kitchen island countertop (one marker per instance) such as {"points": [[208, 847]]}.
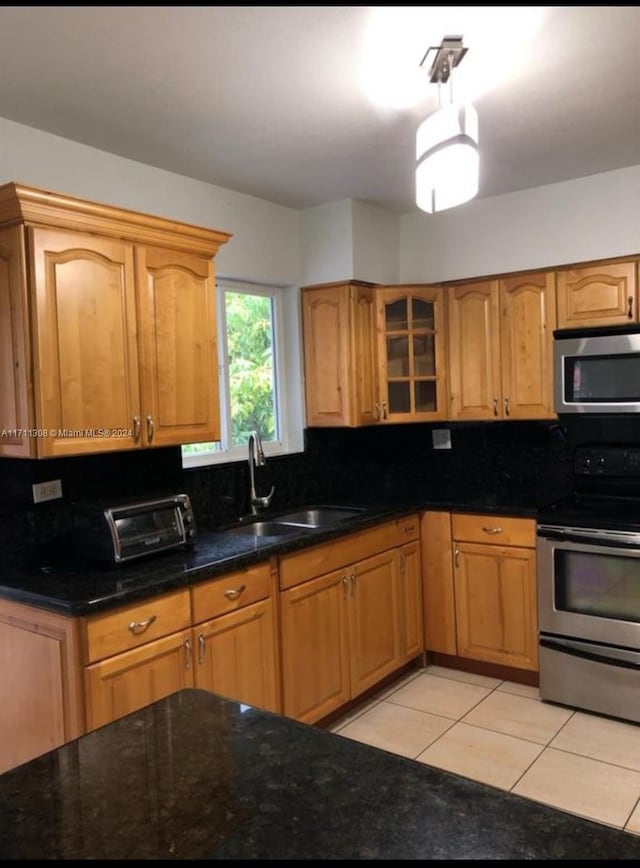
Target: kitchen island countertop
{"points": [[196, 776]]}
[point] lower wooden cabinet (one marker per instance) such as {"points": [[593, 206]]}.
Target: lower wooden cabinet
{"points": [[479, 575], [345, 630], [235, 655], [126, 682], [41, 682], [227, 644]]}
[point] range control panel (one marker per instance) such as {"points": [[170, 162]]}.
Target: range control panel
{"points": [[607, 461]]}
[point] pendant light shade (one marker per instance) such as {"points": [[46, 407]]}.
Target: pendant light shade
{"points": [[447, 158], [447, 161]]}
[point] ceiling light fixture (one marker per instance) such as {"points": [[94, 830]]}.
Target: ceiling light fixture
{"points": [[447, 141]]}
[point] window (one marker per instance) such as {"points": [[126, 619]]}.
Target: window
{"points": [[260, 373]]}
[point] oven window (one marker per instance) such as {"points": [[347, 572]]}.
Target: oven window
{"points": [[610, 379], [595, 584]]}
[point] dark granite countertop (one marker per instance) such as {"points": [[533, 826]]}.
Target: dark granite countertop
{"points": [[65, 587], [195, 776]]}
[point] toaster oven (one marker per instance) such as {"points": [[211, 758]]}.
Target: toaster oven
{"points": [[117, 533]]}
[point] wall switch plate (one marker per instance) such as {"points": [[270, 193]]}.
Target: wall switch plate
{"points": [[441, 438], [47, 490]]}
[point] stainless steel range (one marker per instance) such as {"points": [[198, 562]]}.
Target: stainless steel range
{"points": [[588, 555]]}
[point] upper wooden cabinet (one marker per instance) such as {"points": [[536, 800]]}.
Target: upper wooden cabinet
{"points": [[108, 320], [500, 335], [373, 354], [603, 293], [411, 354], [339, 354]]}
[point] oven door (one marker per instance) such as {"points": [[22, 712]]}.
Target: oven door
{"points": [[589, 586], [589, 617]]}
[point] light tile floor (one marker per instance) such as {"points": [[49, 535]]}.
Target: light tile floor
{"points": [[502, 734]]}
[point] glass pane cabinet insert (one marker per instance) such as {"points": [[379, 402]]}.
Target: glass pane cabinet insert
{"points": [[411, 353]]}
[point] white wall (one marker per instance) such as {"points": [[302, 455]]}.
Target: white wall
{"points": [[327, 243], [376, 244], [266, 237], [589, 218]]}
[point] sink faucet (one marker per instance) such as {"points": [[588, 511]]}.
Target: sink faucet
{"points": [[257, 459]]}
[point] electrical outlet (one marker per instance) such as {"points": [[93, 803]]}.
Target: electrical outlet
{"points": [[441, 438], [47, 490]]}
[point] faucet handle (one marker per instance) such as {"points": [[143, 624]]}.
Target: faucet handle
{"points": [[266, 500]]}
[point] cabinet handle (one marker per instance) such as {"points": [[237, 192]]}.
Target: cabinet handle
{"points": [[495, 406], [402, 561], [202, 648], [345, 585], [234, 593], [136, 429], [150, 428], [456, 555], [188, 654], [408, 528], [492, 530], [138, 627], [506, 407], [630, 307], [385, 414], [377, 414], [353, 583]]}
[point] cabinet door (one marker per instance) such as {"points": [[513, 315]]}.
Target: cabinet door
{"points": [[364, 368], [327, 355], [41, 683], [86, 362], [375, 620], [437, 583], [236, 656], [600, 294], [16, 410], [528, 314], [129, 681], [410, 572], [178, 354], [410, 328], [496, 609], [475, 388], [315, 647]]}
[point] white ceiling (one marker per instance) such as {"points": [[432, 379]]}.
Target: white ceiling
{"points": [[270, 100]]}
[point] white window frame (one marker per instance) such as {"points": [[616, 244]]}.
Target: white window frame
{"points": [[287, 358]]}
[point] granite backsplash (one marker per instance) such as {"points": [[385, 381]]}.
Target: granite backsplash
{"points": [[525, 463]]}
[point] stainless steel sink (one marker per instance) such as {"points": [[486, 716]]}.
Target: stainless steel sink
{"points": [[319, 516], [266, 528]]}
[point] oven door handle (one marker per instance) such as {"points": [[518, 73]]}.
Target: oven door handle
{"points": [[592, 651]]}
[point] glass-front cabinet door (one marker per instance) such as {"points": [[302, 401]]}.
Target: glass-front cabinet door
{"points": [[410, 328]]}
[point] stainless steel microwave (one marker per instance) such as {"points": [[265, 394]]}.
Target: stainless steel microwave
{"points": [[116, 533], [597, 370]]}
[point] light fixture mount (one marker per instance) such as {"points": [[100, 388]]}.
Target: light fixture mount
{"points": [[442, 59]]}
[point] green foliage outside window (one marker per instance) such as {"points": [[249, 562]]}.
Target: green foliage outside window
{"points": [[252, 395], [251, 374]]}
